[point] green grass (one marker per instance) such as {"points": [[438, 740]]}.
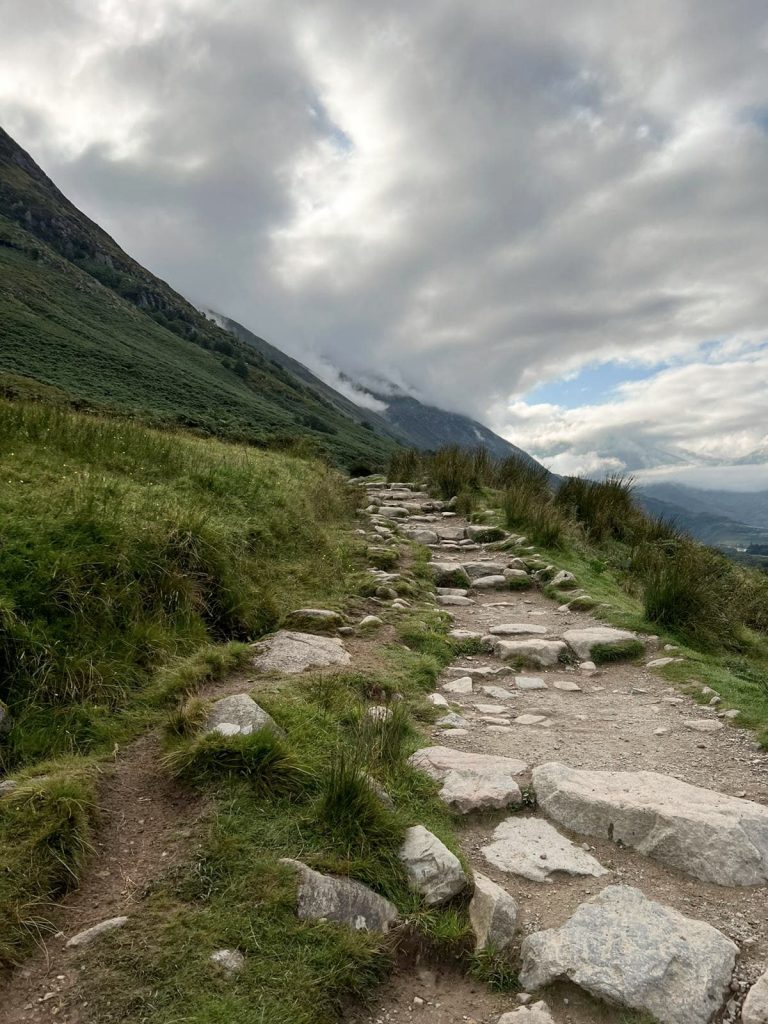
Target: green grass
{"points": [[125, 547], [84, 323]]}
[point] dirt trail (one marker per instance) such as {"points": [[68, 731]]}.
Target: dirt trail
{"points": [[147, 824], [610, 723]]}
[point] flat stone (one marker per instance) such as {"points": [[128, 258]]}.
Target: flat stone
{"points": [[755, 1008], [544, 653], [626, 949], [436, 700], [588, 668], [703, 724], [708, 835], [8, 786], [497, 692], [479, 671], [536, 1013], [238, 715], [465, 634], [492, 914], [530, 683], [85, 938], [730, 714], [515, 574], [489, 583], [452, 591], [484, 534], [453, 601], [370, 622], [491, 709], [393, 511], [450, 733], [461, 685], [467, 790], [661, 662], [433, 871], [517, 629], [438, 761], [229, 960], [343, 900], [425, 537], [534, 849], [289, 652], [582, 641], [566, 685], [541, 720], [476, 570], [453, 720]]}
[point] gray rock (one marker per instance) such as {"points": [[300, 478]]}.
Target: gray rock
{"points": [[566, 685], [448, 574], [453, 601], [433, 871], [476, 570], [661, 662], [541, 720], [626, 949], [517, 629], [314, 618], [709, 835], [343, 900], [452, 591], [289, 652], [465, 634], [469, 790], [90, 935], [229, 960], [461, 685], [370, 622], [703, 724], [484, 534], [536, 1013], [422, 536], [5, 719], [543, 653], [532, 848], [530, 683], [497, 692], [515, 574], [492, 914], [564, 580], [453, 720], [582, 641], [438, 761], [489, 583], [8, 786], [588, 668], [238, 715], [755, 1008], [393, 511], [436, 700]]}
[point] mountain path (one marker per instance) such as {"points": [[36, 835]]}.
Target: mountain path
{"points": [[608, 724]]}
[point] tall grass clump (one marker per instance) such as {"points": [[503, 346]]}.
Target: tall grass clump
{"points": [[124, 547], [405, 465], [605, 509]]}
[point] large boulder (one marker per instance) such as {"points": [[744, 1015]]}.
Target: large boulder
{"points": [[472, 782], [626, 949], [532, 848], [238, 715], [709, 835], [543, 653], [343, 900], [492, 914], [755, 1008], [433, 871], [289, 652], [583, 641]]}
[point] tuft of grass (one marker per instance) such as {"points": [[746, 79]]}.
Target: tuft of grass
{"points": [[188, 718], [263, 758], [605, 509], [46, 827], [495, 970], [351, 809], [624, 650]]}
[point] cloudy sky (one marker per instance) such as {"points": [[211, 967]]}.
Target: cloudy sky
{"points": [[553, 216]]}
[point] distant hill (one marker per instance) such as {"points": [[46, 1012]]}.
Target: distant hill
{"points": [[726, 519], [84, 321]]}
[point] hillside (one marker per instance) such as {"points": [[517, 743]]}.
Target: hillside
{"points": [[79, 315], [726, 519]]}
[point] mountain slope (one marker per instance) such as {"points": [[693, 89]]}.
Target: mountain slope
{"points": [[748, 507], [77, 313]]}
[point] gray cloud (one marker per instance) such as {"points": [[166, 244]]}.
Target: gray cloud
{"points": [[466, 198]]}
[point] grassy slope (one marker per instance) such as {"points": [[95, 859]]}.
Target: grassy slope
{"points": [[79, 314]]}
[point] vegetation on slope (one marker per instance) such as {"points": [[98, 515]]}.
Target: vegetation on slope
{"points": [[80, 315]]}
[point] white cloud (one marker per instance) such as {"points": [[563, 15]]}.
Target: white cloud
{"points": [[468, 199]]}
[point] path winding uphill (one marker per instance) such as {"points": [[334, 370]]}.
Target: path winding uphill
{"points": [[639, 882]]}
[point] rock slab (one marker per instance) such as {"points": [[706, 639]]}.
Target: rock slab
{"points": [[492, 914], [536, 1013], [583, 641], [755, 1008], [544, 653], [708, 835], [433, 871], [85, 938], [238, 715], [289, 652], [534, 849], [626, 949], [343, 900]]}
